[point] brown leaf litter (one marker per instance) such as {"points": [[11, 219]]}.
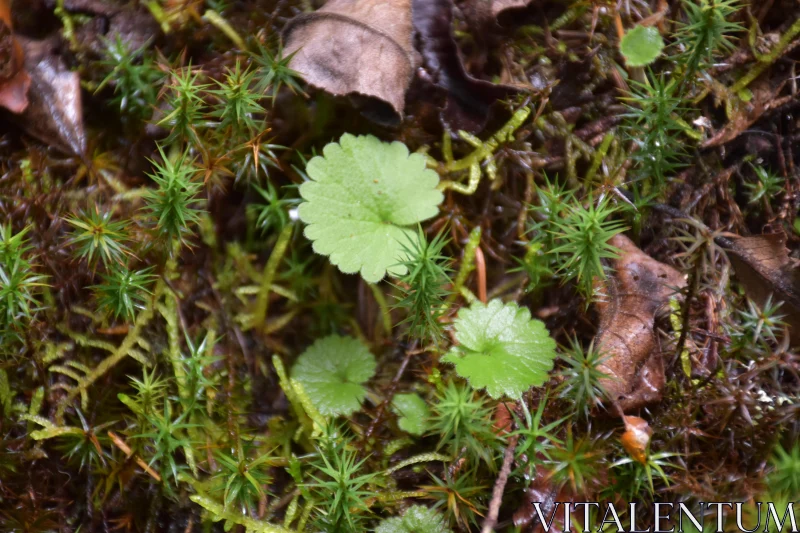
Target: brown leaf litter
{"points": [[14, 80], [366, 49], [763, 267], [639, 289], [349, 47]]}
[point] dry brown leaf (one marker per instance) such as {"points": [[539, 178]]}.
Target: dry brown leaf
{"points": [[636, 437], [763, 266], [747, 113], [468, 99], [14, 81], [356, 47], [498, 6], [55, 113], [548, 496], [638, 290]]}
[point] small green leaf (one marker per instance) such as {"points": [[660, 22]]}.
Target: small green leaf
{"points": [[417, 519], [501, 349], [332, 372], [413, 413], [641, 46], [360, 201]]}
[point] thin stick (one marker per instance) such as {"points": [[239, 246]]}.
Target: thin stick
{"points": [[480, 264], [122, 445], [500, 487]]}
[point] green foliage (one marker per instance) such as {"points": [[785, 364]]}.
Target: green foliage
{"points": [[416, 519], [758, 325], [462, 420], [238, 105], [581, 377], [641, 46], [332, 371], [218, 513], [86, 446], [339, 488], [651, 124], [413, 413], [123, 291], [501, 348], [460, 496], [97, 236], [174, 203], [535, 439], [575, 463], [273, 212], [165, 438], [184, 106], [274, 72], [150, 393], [241, 479], [785, 476], [361, 197], [635, 478], [766, 187], [706, 33], [135, 78], [423, 288], [582, 236], [18, 283]]}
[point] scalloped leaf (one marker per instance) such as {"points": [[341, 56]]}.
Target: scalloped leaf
{"points": [[417, 519], [362, 198], [332, 372], [641, 46], [500, 348], [413, 413]]}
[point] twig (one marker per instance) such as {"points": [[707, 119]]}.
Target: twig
{"points": [[122, 445], [500, 487], [389, 394], [480, 264]]}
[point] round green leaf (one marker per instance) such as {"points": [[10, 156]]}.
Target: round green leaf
{"points": [[501, 349], [417, 519], [413, 413], [333, 371], [641, 46], [361, 200]]}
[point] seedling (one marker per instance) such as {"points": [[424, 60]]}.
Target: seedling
{"points": [[361, 198], [332, 372], [500, 348]]}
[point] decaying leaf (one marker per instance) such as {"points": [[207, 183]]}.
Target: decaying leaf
{"points": [[552, 501], [763, 266], [498, 6], [745, 114], [636, 437], [639, 289], [468, 99], [14, 81], [55, 113], [351, 47], [365, 49]]}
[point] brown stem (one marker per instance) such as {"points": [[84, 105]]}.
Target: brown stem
{"points": [[500, 487]]}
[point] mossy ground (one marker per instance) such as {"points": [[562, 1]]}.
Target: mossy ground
{"points": [[173, 393]]}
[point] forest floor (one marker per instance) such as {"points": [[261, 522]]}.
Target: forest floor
{"points": [[397, 266]]}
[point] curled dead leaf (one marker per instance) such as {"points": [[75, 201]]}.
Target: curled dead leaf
{"points": [[352, 47], [638, 290], [745, 114], [763, 266], [55, 113], [498, 6], [467, 99], [14, 81], [636, 437]]}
